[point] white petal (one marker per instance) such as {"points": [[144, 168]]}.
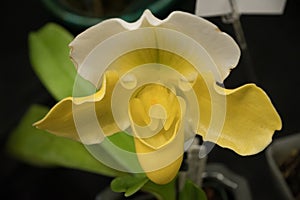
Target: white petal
{"points": [[170, 40], [85, 42], [220, 47]]}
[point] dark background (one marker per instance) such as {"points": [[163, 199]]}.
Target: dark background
{"points": [[273, 43]]}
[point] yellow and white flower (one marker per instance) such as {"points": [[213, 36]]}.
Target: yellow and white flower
{"points": [[157, 80]]}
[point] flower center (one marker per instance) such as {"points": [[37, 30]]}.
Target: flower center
{"points": [[155, 112]]}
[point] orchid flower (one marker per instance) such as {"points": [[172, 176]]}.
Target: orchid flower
{"points": [[160, 82]]}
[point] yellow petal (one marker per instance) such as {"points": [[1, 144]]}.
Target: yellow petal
{"points": [[149, 109], [250, 119], [250, 122], [204, 100], [140, 116], [152, 140], [161, 165], [80, 118]]}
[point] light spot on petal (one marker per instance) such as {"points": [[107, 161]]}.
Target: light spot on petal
{"points": [[129, 81], [186, 83]]}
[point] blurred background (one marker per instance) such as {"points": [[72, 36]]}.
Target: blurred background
{"points": [[274, 48]]}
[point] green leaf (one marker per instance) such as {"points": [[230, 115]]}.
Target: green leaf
{"points": [[49, 56], [41, 148], [82, 87], [118, 150], [123, 140], [129, 184], [161, 192], [191, 191]]}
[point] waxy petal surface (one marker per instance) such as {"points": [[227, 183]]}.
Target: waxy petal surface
{"points": [[154, 142], [219, 47], [250, 119], [73, 115]]}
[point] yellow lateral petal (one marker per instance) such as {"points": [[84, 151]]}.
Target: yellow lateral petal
{"points": [[250, 119], [250, 122], [83, 115]]}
